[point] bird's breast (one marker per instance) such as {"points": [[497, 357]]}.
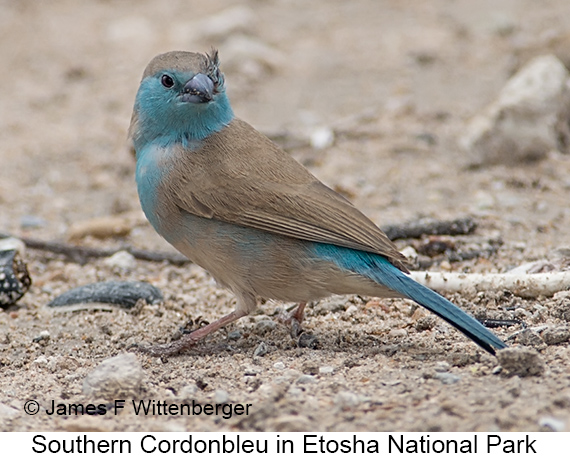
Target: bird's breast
{"points": [[154, 175]]}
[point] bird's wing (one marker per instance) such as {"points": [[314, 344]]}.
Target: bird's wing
{"points": [[241, 177]]}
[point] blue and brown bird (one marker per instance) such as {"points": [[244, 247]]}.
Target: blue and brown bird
{"points": [[236, 204]]}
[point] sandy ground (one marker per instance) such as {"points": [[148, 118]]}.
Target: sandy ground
{"points": [[397, 80]]}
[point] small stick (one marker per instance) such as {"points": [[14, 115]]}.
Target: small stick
{"points": [[429, 226], [81, 254], [523, 285]]}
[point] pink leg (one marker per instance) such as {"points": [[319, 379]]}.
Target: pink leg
{"points": [[190, 339], [299, 312]]}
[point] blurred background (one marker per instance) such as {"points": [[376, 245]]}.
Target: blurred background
{"points": [[380, 89]]}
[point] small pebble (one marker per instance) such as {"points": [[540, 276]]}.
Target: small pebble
{"points": [[326, 369], [29, 221], [264, 327], [41, 361], [119, 375], [556, 425], [321, 138], [521, 314], [442, 366], [309, 367], [261, 350], [351, 310], [308, 340], [426, 323], [121, 260], [306, 379], [279, 365], [103, 227], [346, 400], [221, 396], [410, 253], [557, 335], [447, 378], [251, 371], [398, 333], [43, 335], [292, 374], [497, 370], [188, 392], [234, 335], [295, 391], [528, 337], [253, 383]]}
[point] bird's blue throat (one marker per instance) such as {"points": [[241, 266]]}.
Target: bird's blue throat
{"points": [[167, 122]]}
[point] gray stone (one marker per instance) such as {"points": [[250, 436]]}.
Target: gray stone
{"points": [[528, 119], [119, 375], [521, 361]]}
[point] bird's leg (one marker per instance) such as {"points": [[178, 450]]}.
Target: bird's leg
{"points": [[299, 312], [294, 319], [190, 339]]}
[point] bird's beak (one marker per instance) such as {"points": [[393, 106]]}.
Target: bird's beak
{"points": [[199, 89]]}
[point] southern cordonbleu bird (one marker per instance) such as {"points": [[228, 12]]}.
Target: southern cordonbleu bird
{"points": [[237, 205]]}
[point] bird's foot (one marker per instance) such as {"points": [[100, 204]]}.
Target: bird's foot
{"points": [[170, 349], [294, 319], [189, 340]]}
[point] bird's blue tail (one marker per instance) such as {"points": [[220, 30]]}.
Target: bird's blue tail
{"points": [[380, 270]]}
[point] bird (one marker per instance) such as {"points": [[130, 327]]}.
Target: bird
{"points": [[236, 204]]}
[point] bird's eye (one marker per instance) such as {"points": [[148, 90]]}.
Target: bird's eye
{"points": [[167, 81]]}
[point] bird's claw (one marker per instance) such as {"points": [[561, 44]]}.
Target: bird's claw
{"points": [[293, 320], [295, 328], [170, 349]]}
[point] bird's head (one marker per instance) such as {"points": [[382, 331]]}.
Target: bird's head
{"points": [[181, 98]]}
